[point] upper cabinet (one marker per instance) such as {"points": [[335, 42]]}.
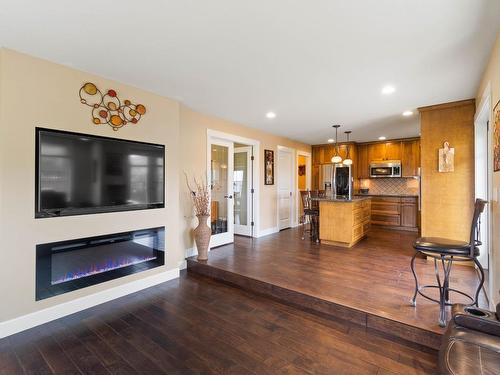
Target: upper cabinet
{"points": [[362, 154], [322, 154], [384, 151], [406, 150], [363, 162], [410, 159]]}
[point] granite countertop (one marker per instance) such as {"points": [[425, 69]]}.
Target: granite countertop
{"points": [[387, 195], [355, 198]]}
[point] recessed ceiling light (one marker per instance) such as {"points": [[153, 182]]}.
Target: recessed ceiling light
{"points": [[407, 113], [382, 138], [388, 89], [331, 140], [271, 115]]}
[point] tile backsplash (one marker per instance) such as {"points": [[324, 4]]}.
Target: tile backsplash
{"points": [[389, 186]]}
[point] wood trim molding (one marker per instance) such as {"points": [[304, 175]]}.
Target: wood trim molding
{"points": [[391, 140], [459, 103], [369, 142]]}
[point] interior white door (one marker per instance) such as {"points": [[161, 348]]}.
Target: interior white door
{"points": [[242, 187], [221, 159], [285, 188]]}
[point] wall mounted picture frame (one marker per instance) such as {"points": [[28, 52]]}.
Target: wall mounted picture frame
{"points": [[496, 137], [268, 167], [446, 158]]}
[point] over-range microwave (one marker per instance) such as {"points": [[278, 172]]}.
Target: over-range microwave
{"points": [[389, 168]]}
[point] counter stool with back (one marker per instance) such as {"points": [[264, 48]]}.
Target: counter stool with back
{"points": [[310, 216], [446, 251]]}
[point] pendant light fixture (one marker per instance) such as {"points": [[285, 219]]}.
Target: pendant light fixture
{"points": [[348, 160], [336, 159]]}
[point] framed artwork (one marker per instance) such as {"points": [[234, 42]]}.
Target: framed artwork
{"points": [[496, 138], [446, 158], [302, 170], [268, 167]]}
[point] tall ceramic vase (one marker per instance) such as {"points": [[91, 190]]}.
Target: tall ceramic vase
{"points": [[202, 235]]}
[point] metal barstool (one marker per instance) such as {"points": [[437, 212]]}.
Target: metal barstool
{"points": [[447, 251]]}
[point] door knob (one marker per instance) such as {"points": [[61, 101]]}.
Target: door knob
{"points": [[228, 196]]}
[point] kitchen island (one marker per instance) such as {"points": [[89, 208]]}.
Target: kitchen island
{"points": [[343, 222]]}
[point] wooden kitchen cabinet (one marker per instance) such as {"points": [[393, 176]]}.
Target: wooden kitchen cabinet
{"points": [[409, 212], [363, 164], [410, 159], [395, 212], [393, 150], [362, 154], [315, 177], [376, 152], [384, 151], [386, 211]]}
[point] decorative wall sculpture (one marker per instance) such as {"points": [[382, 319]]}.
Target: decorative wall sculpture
{"points": [[446, 158], [108, 109]]}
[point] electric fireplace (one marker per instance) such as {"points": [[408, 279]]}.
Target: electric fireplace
{"points": [[69, 265]]}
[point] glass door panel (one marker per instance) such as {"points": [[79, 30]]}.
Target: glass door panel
{"points": [[242, 183], [221, 181]]}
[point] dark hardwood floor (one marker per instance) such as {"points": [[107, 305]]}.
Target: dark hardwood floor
{"points": [[195, 325], [370, 284]]}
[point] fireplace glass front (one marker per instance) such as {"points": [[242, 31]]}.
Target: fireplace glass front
{"points": [[69, 265]]}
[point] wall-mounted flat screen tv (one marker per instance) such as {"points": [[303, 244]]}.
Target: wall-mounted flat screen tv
{"points": [[84, 174]]}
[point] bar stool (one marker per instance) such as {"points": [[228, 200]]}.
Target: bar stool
{"points": [[447, 251], [310, 216]]}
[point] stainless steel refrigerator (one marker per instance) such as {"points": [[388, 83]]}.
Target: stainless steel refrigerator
{"points": [[342, 181], [336, 179]]}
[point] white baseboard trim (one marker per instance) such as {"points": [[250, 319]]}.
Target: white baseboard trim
{"points": [[34, 319], [268, 231], [192, 251]]}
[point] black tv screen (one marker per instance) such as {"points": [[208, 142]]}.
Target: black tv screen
{"points": [[82, 174]]}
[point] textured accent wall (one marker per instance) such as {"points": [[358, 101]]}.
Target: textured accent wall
{"points": [[388, 186], [448, 198]]}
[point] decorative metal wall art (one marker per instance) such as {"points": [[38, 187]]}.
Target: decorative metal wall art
{"points": [[108, 109]]}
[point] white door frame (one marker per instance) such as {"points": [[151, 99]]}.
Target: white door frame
{"points": [[293, 221], [256, 168], [308, 156], [245, 230], [482, 117]]}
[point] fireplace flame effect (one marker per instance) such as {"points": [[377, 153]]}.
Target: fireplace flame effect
{"points": [[108, 265]]}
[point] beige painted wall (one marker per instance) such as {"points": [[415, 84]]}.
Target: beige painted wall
{"points": [[193, 157], [35, 92], [491, 77], [447, 198]]}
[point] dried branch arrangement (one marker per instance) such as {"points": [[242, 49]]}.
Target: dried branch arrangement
{"points": [[200, 195]]}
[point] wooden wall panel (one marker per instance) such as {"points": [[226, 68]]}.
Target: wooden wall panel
{"points": [[447, 198]]}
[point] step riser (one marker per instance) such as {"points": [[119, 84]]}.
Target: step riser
{"points": [[312, 304]]}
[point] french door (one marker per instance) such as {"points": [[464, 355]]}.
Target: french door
{"points": [[220, 169], [242, 189], [285, 188]]}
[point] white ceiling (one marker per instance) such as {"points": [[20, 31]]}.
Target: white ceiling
{"points": [[315, 63]]}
